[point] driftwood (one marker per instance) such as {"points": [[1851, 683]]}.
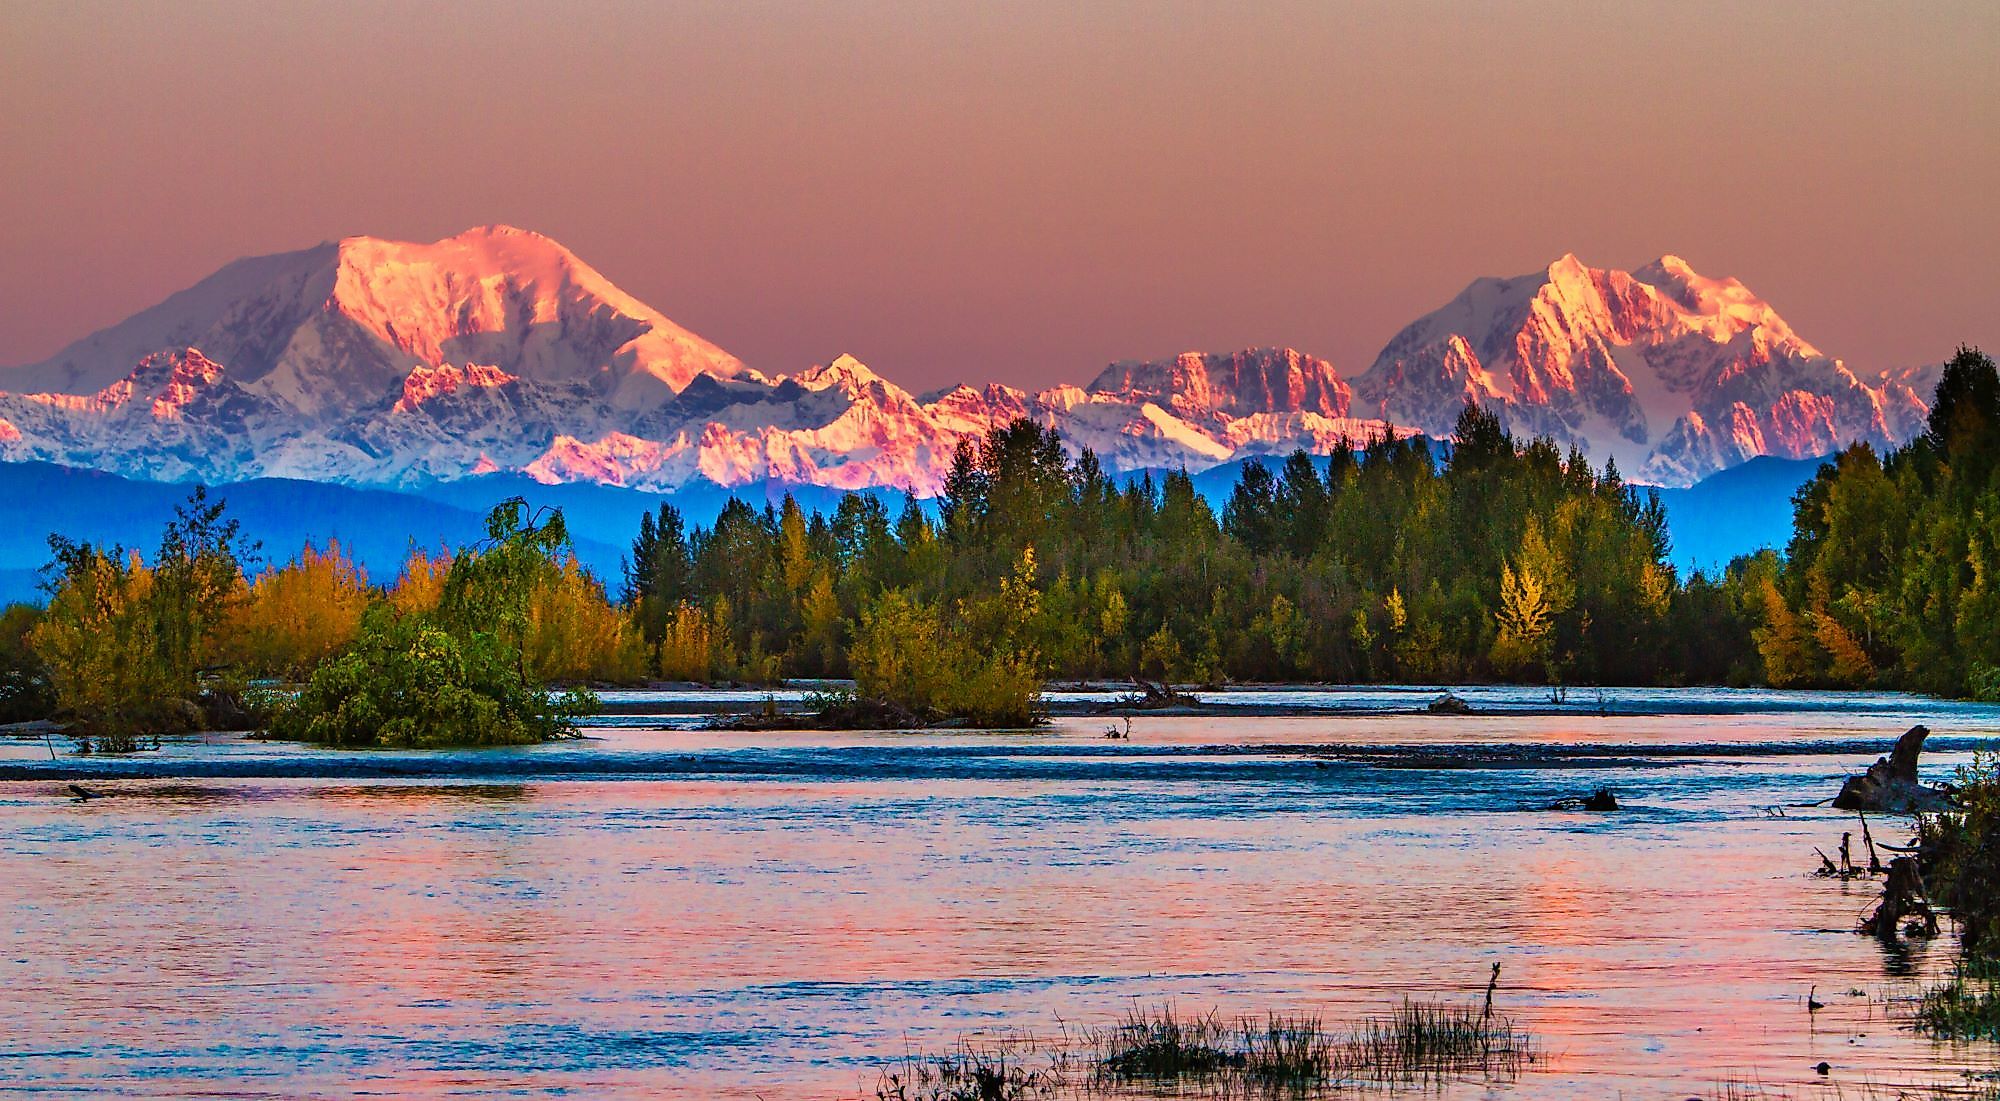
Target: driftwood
{"points": [[1890, 785], [1903, 896], [1150, 696], [1451, 703]]}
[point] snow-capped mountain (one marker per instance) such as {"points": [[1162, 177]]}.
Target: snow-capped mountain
{"points": [[1674, 375], [375, 362], [331, 328], [843, 425]]}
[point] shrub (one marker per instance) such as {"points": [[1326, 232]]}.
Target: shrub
{"points": [[901, 654], [1962, 857], [1965, 1006], [458, 674], [905, 654]]}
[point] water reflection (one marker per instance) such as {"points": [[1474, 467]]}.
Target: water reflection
{"points": [[732, 919]]}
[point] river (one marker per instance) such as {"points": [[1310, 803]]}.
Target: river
{"points": [[663, 910]]}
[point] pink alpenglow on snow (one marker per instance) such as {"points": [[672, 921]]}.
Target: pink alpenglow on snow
{"points": [[368, 361]]}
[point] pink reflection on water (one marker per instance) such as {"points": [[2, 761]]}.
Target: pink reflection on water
{"points": [[730, 937]]}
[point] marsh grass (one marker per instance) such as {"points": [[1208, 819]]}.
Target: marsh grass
{"points": [[1161, 1052], [1418, 1043], [1435, 1041], [1289, 1053], [1016, 1069], [1162, 1044], [1965, 1006]]}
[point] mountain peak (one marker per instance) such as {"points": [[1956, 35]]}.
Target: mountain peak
{"points": [[521, 301], [1672, 265], [501, 229], [517, 257], [378, 361], [1567, 266], [844, 371], [330, 330], [1672, 373]]}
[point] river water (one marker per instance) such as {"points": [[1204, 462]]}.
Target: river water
{"points": [[661, 910]]}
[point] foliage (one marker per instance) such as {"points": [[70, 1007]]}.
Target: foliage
{"points": [[421, 584], [410, 683], [1962, 857], [461, 673], [1892, 576], [574, 634], [657, 575], [25, 691], [1506, 559], [1966, 1005], [124, 642], [906, 654], [294, 616]]}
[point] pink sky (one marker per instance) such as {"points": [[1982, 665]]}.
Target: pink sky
{"points": [[1021, 192]]}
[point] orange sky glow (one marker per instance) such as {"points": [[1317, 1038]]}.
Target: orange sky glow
{"points": [[1023, 192]]}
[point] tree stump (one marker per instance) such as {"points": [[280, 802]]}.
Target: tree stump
{"points": [[1890, 785], [1902, 896]]}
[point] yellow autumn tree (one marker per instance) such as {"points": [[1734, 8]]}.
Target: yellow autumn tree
{"points": [[421, 583], [1534, 589], [575, 634], [1525, 617], [821, 625], [1399, 614], [294, 616], [1783, 642], [687, 649], [97, 641], [1847, 659], [1112, 616]]}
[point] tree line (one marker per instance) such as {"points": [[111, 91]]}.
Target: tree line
{"points": [[1892, 575], [1495, 560]]}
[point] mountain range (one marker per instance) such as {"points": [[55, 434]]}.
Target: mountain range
{"points": [[376, 363]]}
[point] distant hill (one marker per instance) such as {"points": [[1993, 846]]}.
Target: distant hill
{"points": [[1738, 511], [376, 527]]}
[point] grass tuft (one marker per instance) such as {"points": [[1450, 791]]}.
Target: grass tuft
{"points": [[1418, 1042], [999, 1072], [1432, 1041], [1965, 1006], [1161, 1044]]}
